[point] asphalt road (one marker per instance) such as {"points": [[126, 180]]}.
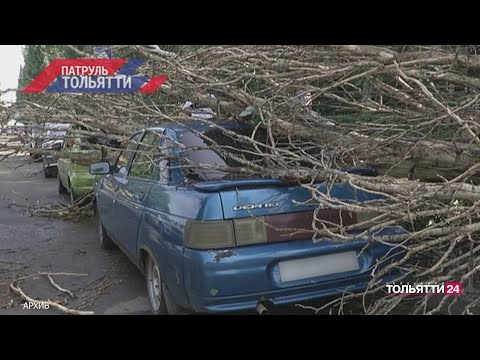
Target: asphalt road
{"points": [[32, 244]]}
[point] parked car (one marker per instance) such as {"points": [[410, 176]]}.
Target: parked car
{"points": [[41, 133], [73, 174], [210, 242], [14, 127]]}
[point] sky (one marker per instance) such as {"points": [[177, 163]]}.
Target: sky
{"points": [[11, 59]]}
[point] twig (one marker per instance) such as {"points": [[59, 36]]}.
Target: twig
{"points": [[55, 285]]}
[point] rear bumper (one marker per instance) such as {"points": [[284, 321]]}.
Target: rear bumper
{"points": [[281, 297], [218, 281]]}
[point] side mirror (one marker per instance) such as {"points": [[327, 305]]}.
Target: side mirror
{"points": [[100, 168]]}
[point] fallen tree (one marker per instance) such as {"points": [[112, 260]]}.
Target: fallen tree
{"points": [[411, 112], [401, 114]]}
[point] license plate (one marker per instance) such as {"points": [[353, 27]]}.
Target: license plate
{"points": [[318, 266]]}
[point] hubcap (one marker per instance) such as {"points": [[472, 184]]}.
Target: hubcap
{"points": [[154, 285]]}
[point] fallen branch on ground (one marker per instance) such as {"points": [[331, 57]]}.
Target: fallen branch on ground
{"points": [[58, 287], [17, 289], [62, 308]]}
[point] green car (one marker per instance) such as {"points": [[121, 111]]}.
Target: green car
{"points": [[73, 168]]}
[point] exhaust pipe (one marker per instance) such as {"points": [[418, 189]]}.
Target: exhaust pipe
{"points": [[262, 309]]}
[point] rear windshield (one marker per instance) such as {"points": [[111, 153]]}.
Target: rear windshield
{"points": [[196, 162]]}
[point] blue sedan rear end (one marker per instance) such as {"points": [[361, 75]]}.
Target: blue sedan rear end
{"points": [[212, 243]]}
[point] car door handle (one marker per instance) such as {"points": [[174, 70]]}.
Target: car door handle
{"points": [[139, 196]]}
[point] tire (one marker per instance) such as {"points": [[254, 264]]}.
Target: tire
{"points": [[105, 241], [155, 288], [61, 189], [172, 307], [49, 172]]}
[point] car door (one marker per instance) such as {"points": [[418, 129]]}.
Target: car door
{"points": [[72, 145], [107, 193], [133, 191], [161, 231]]}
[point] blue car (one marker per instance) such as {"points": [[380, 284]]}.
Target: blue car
{"points": [[210, 241]]}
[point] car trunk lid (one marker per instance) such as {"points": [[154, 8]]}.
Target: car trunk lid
{"points": [[287, 210]]}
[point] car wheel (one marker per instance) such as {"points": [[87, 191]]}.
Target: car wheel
{"points": [[105, 241], [49, 172], [61, 189], [154, 288]]}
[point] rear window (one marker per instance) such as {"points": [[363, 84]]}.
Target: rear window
{"points": [[196, 161]]}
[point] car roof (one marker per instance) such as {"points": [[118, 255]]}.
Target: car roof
{"points": [[197, 125]]}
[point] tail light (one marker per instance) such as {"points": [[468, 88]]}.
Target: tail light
{"points": [[225, 234], [209, 234], [273, 228], [250, 231]]}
